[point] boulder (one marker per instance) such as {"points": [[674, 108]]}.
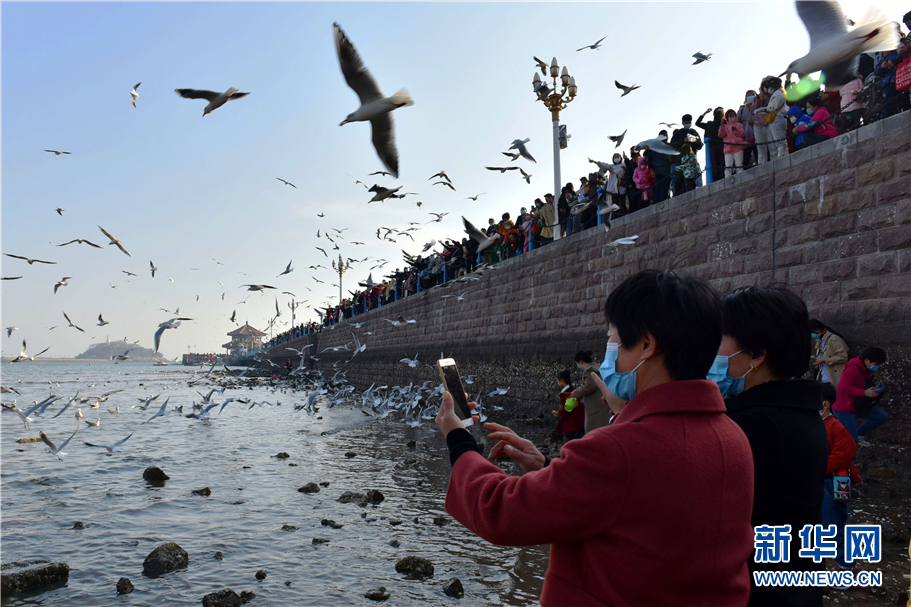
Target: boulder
{"points": [[154, 474], [219, 556], [375, 496], [394, 543], [289, 528], [281, 455], [319, 540], [22, 441], [377, 594], [328, 522], [324, 484], [414, 565], [261, 574], [79, 525], [124, 586], [222, 598], [351, 496], [350, 454], [309, 488], [166, 557], [246, 596], [411, 444], [454, 588], [205, 491], [26, 576], [439, 521]]}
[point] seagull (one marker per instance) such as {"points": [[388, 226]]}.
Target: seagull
{"points": [[57, 153], [541, 65], [439, 217], [499, 392], [319, 249], [251, 288], [519, 146], [96, 423], [382, 173], [53, 448], [170, 324], [81, 241], [154, 269], [669, 125], [478, 236], [71, 322], [626, 89], [288, 270], [78, 415], [123, 356], [502, 169], [134, 95], [287, 182], [594, 46], [629, 240], [23, 356], [233, 316], [61, 283], [446, 183], [102, 322], [9, 331], [411, 362], [400, 321], [833, 47], [618, 139], [114, 241], [512, 155], [699, 57], [67, 406], [358, 346], [59, 211], [111, 448], [658, 146], [216, 100], [525, 176], [428, 246], [374, 106], [30, 261], [604, 207], [441, 175], [161, 411], [475, 198], [459, 297], [10, 277], [145, 404], [382, 193]]}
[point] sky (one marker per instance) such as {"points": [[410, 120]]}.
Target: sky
{"points": [[183, 190]]}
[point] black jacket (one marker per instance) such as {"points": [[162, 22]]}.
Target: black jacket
{"points": [[711, 127], [679, 138], [790, 454]]}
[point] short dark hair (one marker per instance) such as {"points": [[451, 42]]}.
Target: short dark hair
{"points": [[770, 320], [907, 17], [565, 376], [816, 325], [828, 392], [687, 117], [662, 132], [681, 312], [584, 356], [874, 354]]}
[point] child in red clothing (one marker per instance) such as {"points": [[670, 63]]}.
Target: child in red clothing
{"points": [[571, 411], [644, 179]]}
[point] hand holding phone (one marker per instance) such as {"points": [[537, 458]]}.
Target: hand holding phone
{"points": [[452, 381]]}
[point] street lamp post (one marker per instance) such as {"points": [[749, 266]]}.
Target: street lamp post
{"points": [[341, 268], [555, 102]]}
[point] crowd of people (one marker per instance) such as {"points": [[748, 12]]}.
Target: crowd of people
{"points": [[768, 124], [703, 429]]}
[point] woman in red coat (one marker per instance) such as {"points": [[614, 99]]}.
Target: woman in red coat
{"points": [[853, 383], [571, 412], [660, 499]]}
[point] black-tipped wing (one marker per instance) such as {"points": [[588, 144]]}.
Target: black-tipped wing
{"points": [[197, 94], [356, 73], [384, 142], [237, 96], [473, 232]]}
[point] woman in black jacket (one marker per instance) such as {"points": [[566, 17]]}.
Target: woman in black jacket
{"points": [[763, 352]]}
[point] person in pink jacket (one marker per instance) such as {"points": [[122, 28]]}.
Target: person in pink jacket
{"points": [[644, 179], [733, 135], [852, 109], [821, 125]]}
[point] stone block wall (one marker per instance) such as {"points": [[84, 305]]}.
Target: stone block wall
{"points": [[832, 222]]}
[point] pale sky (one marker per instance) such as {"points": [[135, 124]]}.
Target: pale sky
{"points": [[179, 189]]}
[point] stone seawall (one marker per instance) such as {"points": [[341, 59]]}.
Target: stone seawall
{"points": [[833, 223]]}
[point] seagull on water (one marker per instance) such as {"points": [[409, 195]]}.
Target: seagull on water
{"points": [[374, 106], [626, 89], [61, 283], [71, 323], [114, 241], [54, 450], [170, 324], [519, 146], [111, 448], [96, 423], [134, 94], [594, 47], [216, 100]]}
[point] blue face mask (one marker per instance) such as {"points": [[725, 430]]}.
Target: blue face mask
{"points": [[816, 335], [873, 367], [621, 385], [687, 125], [729, 386]]}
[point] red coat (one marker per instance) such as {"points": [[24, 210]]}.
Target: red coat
{"points": [[658, 505], [570, 421], [851, 385], [842, 449]]}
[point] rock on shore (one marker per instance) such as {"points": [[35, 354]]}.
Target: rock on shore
{"points": [[166, 557], [25, 576], [377, 594], [226, 598], [454, 588], [414, 565], [154, 474], [124, 586], [309, 488]]}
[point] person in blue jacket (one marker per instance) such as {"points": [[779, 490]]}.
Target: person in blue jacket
{"points": [[797, 117]]}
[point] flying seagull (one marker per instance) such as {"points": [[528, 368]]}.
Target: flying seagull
{"points": [[594, 46], [287, 182], [288, 270], [541, 64], [9, 331], [446, 183], [629, 240], [71, 323], [57, 153], [134, 95], [441, 175], [54, 450], [475, 198], [170, 324], [382, 173], [124, 356], [358, 346], [439, 217], [62, 283], [428, 246], [127, 273], [154, 269], [659, 146], [30, 261], [501, 169], [81, 241], [519, 146], [114, 241], [102, 322], [833, 47], [478, 236], [699, 57], [23, 356], [374, 106], [233, 316], [618, 139], [59, 211], [111, 448], [411, 362], [381, 193], [250, 288], [525, 176], [512, 155], [161, 411], [626, 89], [216, 100]]}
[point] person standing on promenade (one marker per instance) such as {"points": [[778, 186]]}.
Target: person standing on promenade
{"points": [[662, 166], [763, 352], [716, 147], [660, 499], [857, 398], [597, 414], [830, 353], [546, 213]]}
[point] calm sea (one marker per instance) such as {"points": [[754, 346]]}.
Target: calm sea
{"points": [[253, 496]]}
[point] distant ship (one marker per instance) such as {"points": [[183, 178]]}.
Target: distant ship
{"points": [[160, 364]]}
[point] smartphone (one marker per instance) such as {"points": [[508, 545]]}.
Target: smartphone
{"points": [[452, 381]]}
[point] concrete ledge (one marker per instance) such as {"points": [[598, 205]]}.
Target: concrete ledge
{"points": [[715, 186], [870, 131], [846, 140], [824, 147], [801, 156], [781, 164], [747, 175], [897, 122], [763, 169]]}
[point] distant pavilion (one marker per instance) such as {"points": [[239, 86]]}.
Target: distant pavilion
{"points": [[245, 338]]}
